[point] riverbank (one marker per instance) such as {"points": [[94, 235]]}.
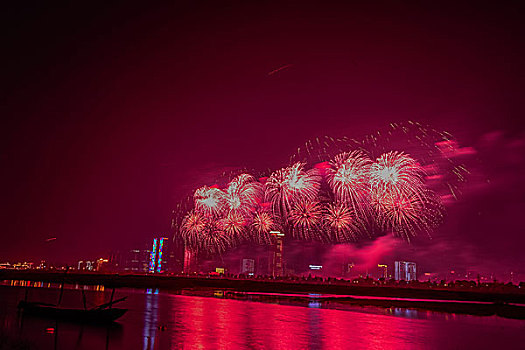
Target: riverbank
{"points": [[455, 307], [260, 285]]}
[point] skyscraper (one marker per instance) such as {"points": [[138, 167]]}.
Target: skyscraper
{"points": [[405, 270], [248, 266], [276, 255], [156, 260]]}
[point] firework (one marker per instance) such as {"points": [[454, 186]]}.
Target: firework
{"points": [[341, 222], [262, 224], [395, 174], [243, 194], [402, 202], [213, 238], [341, 194], [209, 200], [232, 224], [305, 218], [191, 229], [348, 177], [289, 185], [406, 214], [201, 232]]}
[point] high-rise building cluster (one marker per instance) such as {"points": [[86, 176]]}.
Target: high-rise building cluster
{"points": [[405, 271]]}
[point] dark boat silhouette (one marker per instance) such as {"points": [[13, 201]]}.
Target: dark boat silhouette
{"points": [[101, 314]]}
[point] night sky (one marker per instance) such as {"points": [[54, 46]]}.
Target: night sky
{"points": [[113, 114]]}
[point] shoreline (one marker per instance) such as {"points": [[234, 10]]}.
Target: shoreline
{"points": [[116, 280]]}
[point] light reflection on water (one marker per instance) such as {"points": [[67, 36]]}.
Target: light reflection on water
{"points": [[151, 311], [158, 320]]}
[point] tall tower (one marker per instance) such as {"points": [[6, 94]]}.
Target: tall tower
{"points": [[405, 270], [276, 258], [156, 259]]}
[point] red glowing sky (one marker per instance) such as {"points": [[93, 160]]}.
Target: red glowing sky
{"points": [[112, 114]]}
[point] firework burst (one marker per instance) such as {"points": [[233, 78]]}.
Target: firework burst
{"points": [[348, 177], [232, 224], [407, 214], [289, 185], [262, 224], [341, 222], [395, 174], [191, 229], [342, 195], [214, 239], [401, 201], [201, 232], [243, 194], [209, 200], [305, 218]]}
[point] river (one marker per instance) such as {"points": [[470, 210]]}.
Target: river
{"points": [[206, 320]]}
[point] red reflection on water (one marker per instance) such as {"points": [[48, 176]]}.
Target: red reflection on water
{"points": [[204, 323]]}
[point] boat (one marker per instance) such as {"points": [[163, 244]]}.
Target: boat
{"points": [[97, 314], [101, 314]]}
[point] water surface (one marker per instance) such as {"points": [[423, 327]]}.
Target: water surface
{"points": [[205, 320]]}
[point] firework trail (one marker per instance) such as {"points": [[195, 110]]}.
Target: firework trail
{"points": [[286, 186], [341, 222], [306, 218], [349, 179]]}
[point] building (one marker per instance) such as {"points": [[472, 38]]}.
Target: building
{"points": [[248, 267], [157, 259], [101, 265], [276, 254], [405, 271], [136, 260], [86, 265], [383, 271]]}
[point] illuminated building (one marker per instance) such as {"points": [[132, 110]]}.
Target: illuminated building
{"points": [[101, 264], [248, 266], [86, 265], [383, 271], [276, 254], [156, 259], [405, 270]]}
